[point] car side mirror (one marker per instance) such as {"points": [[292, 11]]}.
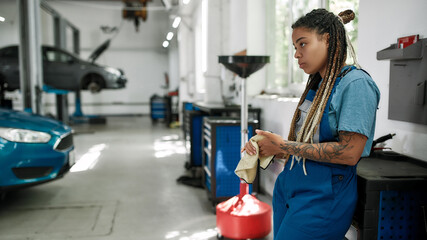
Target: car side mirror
{"points": [[71, 61]]}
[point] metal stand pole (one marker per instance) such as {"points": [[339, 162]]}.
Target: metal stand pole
{"points": [[244, 187]]}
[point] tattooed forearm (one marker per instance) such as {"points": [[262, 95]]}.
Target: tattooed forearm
{"points": [[332, 152]]}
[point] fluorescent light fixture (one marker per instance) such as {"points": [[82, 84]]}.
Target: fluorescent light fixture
{"points": [[2, 19], [165, 44], [176, 22], [169, 36], [185, 2]]}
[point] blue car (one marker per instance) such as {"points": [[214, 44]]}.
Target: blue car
{"points": [[33, 149]]}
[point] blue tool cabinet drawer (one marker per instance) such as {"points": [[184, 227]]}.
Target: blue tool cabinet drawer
{"points": [[221, 154], [193, 121]]}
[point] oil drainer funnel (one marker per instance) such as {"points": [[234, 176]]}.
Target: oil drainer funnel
{"points": [[243, 216]]}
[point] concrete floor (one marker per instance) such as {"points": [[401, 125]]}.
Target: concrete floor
{"points": [[130, 192]]}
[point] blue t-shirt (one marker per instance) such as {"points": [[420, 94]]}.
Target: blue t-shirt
{"points": [[354, 106]]}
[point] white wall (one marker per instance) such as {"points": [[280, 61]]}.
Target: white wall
{"points": [[256, 42], [381, 22], [237, 26], [230, 25], [173, 57], [9, 31], [276, 116], [187, 53], [219, 41], [139, 54], [214, 47]]}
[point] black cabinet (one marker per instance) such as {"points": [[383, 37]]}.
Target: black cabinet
{"points": [[392, 200]]}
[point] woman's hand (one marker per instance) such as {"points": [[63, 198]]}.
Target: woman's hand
{"points": [[249, 148], [271, 144]]}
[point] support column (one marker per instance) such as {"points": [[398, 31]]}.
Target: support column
{"points": [[77, 94], [211, 45], [60, 42], [256, 42], [30, 61], [59, 25]]}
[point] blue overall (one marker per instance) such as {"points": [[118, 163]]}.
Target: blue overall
{"points": [[319, 205]]}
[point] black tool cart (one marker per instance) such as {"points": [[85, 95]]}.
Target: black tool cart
{"points": [[392, 201]]}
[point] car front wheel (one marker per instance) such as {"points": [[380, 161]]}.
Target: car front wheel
{"points": [[93, 82]]}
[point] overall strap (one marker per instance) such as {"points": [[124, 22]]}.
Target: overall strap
{"points": [[365, 72]]}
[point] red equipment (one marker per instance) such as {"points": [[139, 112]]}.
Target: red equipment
{"points": [[243, 216]]}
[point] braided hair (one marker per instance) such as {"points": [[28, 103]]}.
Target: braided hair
{"points": [[322, 21]]}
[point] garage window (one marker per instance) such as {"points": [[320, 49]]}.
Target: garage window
{"points": [[284, 76]]}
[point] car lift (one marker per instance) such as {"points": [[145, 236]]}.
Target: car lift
{"points": [[78, 117], [30, 19]]}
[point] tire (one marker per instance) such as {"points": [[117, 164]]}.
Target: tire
{"points": [[94, 87], [93, 82]]}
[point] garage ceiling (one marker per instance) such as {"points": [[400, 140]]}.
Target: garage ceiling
{"points": [[154, 3]]}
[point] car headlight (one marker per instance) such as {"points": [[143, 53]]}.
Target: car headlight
{"points": [[113, 71], [24, 135]]}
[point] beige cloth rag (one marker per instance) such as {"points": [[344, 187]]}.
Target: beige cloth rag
{"points": [[247, 167]]}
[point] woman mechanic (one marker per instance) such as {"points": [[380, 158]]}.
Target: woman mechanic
{"points": [[332, 128]]}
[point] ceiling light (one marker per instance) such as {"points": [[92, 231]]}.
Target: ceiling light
{"points": [[185, 2], [165, 44], [169, 36], [2, 19], [176, 22]]}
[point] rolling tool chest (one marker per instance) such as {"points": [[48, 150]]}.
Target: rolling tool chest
{"points": [[193, 121], [221, 154], [160, 108]]}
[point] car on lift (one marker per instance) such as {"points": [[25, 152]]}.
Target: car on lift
{"points": [[63, 70], [33, 149]]}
